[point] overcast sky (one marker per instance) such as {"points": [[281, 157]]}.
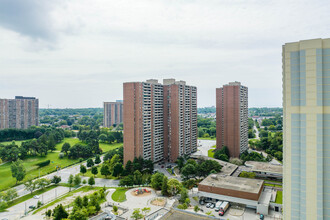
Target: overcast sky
{"points": [[78, 53]]}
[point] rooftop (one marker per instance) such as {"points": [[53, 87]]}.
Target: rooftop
{"points": [[184, 215], [264, 167], [233, 183]]}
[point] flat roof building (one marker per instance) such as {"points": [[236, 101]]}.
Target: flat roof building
{"points": [[264, 169], [113, 113], [160, 120], [306, 129], [232, 118], [250, 192], [21, 112]]}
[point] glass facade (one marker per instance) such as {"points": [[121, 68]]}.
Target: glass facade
{"points": [[298, 166]]}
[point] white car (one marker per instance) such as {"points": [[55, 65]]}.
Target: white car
{"points": [[36, 197]]}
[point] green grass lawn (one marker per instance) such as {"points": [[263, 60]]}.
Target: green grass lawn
{"points": [[278, 199], [207, 138], [29, 196], [89, 174], [210, 153], [119, 195], [273, 185], [107, 147], [18, 143], [32, 171]]}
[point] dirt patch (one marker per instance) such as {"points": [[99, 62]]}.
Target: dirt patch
{"points": [[158, 202]]}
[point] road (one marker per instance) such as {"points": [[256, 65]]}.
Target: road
{"points": [[63, 173], [204, 146], [17, 211], [257, 132]]}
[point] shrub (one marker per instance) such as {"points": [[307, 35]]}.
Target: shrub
{"points": [[84, 181], [44, 163], [61, 155]]}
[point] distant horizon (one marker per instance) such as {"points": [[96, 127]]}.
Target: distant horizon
{"points": [[72, 54]]}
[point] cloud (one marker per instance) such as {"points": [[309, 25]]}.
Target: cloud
{"points": [[29, 18]]}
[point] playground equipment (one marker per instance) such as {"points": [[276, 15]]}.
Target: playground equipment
{"points": [[141, 191]]}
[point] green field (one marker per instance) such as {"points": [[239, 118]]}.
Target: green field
{"points": [[18, 143], [278, 199], [32, 171], [89, 173], [119, 195], [207, 138], [210, 153]]}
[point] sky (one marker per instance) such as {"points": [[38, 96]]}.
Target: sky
{"points": [[78, 53]]}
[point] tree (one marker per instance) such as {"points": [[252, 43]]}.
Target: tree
{"points": [[78, 202], [164, 186], [91, 181], [42, 183], [117, 170], [127, 181], [220, 156], [9, 195], [114, 160], [188, 171], [157, 180], [95, 170], [174, 186], [51, 143], [196, 208], [105, 170], [90, 162], [56, 179], [85, 201], [83, 169], [77, 180], [48, 213], [97, 159], [136, 214], [65, 148], [70, 181], [145, 211], [183, 195], [103, 138], [59, 212], [18, 170], [30, 185], [137, 177]]}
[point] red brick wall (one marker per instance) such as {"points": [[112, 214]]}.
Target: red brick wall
{"points": [[231, 119], [229, 192]]}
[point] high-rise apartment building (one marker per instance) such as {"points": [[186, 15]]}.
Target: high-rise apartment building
{"points": [[21, 112], [306, 130], [160, 120], [113, 113], [232, 118]]}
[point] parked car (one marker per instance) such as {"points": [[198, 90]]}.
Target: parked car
{"points": [[36, 197], [261, 217], [208, 205], [212, 206], [169, 166], [201, 202], [32, 207]]}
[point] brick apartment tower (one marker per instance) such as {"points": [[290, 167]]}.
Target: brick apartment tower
{"points": [[21, 112], [160, 121], [232, 118], [113, 113]]}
